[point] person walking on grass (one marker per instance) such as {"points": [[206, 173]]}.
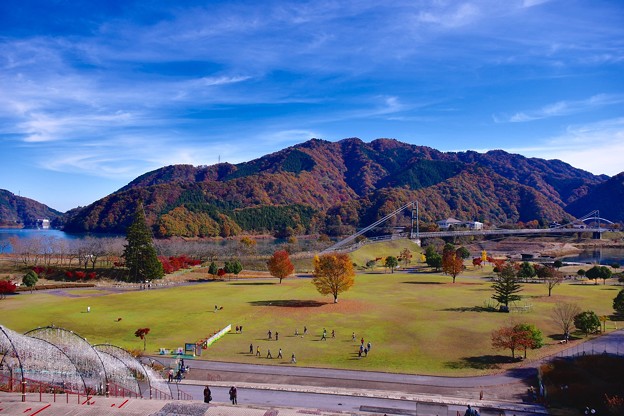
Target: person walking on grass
{"points": [[269, 353], [250, 348], [279, 354], [258, 351], [293, 360]]}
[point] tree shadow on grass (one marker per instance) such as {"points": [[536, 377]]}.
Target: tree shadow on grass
{"points": [[468, 309], [423, 283], [252, 283], [289, 303], [483, 362], [560, 337]]}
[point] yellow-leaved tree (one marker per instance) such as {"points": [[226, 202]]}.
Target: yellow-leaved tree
{"points": [[333, 274]]}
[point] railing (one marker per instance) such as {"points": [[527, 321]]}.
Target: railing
{"points": [[159, 394], [28, 386], [184, 396], [118, 391], [16, 385]]}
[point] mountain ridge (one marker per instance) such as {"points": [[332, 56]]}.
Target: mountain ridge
{"points": [[320, 186], [341, 182]]}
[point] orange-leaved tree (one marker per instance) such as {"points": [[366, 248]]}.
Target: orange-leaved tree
{"points": [[452, 263], [280, 265], [333, 274]]}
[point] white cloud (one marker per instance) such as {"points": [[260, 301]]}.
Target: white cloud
{"points": [[458, 15], [595, 147], [564, 108], [223, 80], [532, 3]]}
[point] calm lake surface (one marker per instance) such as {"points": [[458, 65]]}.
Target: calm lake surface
{"points": [[605, 256], [7, 233]]}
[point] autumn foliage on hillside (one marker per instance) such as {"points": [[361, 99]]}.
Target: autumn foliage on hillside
{"points": [[337, 187]]}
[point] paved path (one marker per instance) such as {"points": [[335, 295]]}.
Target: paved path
{"points": [[407, 387]]}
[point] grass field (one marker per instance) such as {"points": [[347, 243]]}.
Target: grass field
{"points": [[417, 322]]}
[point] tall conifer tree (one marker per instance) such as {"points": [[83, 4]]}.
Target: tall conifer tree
{"points": [[140, 252], [506, 285]]}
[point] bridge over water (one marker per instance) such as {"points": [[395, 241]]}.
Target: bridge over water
{"points": [[577, 226]]}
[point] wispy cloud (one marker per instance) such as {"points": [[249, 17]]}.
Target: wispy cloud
{"points": [[563, 108], [455, 16], [595, 147], [532, 3]]}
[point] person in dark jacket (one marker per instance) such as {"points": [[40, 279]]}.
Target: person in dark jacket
{"points": [[233, 395], [207, 395]]}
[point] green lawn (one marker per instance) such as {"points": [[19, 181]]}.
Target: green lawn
{"points": [[417, 322]]}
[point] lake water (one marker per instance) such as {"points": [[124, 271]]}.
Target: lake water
{"points": [[605, 256], [7, 233]]}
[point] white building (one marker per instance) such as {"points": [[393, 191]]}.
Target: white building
{"points": [[445, 224], [455, 223], [43, 223]]}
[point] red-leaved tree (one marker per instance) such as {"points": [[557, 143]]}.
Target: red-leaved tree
{"points": [[512, 338], [142, 333], [280, 265], [6, 287]]}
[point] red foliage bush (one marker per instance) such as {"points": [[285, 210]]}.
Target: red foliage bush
{"points": [[91, 275], [173, 263], [6, 287], [80, 275], [38, 269], [69, 274]]}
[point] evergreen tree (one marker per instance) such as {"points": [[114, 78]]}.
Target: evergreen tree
{"points": [[506, 285], [30, 280], [213, 269], [139, 251]]}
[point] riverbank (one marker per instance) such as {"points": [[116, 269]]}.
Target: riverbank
{"points": [[515, 247]]}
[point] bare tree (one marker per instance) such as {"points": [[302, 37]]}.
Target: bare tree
{"points": [[61, 249], [563, 316], [113, 248], [553, 281]]}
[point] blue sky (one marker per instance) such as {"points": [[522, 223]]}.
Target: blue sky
{"points": [[95, 93]]}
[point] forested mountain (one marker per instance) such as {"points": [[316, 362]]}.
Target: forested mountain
{"points": [[607, 197], [335, 187], [17, 211]]}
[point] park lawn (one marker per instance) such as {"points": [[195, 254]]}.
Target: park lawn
{"points": [[417, 322], [387, 248]]}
